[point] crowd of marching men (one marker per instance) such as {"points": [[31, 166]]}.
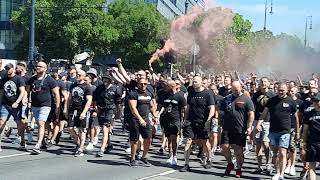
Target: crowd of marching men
{"points": [[217, 113]]}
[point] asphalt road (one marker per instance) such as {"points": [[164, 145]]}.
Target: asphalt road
{"points": [[58, 163]]}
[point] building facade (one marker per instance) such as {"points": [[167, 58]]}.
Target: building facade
{"points": [[173, 8], [8, 38]]}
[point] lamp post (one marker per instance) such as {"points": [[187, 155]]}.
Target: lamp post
{"points": [[186, 4], [266, 7], [32, 32], [308, 22]]}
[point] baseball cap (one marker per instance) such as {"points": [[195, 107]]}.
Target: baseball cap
{"points": [[8, 66], [21, 63], [92, 71]]}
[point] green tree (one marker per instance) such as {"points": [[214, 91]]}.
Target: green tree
{"points": [[65, 28], [130, 29], [141, 27], [241, 28]]}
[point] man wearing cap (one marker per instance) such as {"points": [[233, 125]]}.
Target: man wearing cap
{"points": [[105, 98], [41, 86], [14, 91], [95, 80], [79, 102]]}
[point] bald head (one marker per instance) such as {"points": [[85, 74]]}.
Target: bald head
{"points": [[41, 68], [81, 74], [282, 90], [236, 88], [197, 82]]}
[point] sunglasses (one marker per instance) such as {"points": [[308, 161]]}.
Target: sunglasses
{"points": [[143, 84]]}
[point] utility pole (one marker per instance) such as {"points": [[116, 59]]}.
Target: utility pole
{"points": [[265, 13], [186, 4], [32, 32], [308, 21]]}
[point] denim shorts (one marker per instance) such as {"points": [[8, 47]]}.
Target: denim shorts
{"points": [[7, 111], [41, 113], [263, 136], [280, 140]]}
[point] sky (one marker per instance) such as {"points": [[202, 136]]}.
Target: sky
{"points": [[289, 16]]}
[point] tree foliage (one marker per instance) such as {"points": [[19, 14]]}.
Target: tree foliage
{"points": [[128, 29]]}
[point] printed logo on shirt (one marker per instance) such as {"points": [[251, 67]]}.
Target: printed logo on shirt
{"points": [[144, 98], [309, 109], [285, 105], [10, 88], [314, 118], [77, 94]]}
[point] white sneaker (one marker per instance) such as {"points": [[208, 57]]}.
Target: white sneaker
{"points": [[174, 161], [0, 149], [95, 140], [292, 171], [89, 147], [276, 177], [128, 150], [287, 170], [169, 161]]}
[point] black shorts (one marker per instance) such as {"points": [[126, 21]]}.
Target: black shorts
{"points": [[52, 115], [106, 117], [135, 129], [93, 122], [75, 121], [199, 130], [313, 152], [171, 129], [233, 138]]}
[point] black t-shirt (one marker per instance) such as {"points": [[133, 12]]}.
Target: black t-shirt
{"points": [[298, 102], [236, 110], [97, 83], [72, 80], [41, 91], [143, 102], [62, 87], [107, 98], [78, 94], [173, 103], [281, 110], [260, 100], [11, 89], [305, 108], [223, 91], [26, 78], [314, 126], [199, 103]]}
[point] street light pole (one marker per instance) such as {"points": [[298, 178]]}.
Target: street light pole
{"points": [[186, 7], [308, 19], [32, 31], [265, 13]]}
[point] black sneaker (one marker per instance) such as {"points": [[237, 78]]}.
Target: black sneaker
{"points": [[36, 151], [258, 171], [145, 162], [99, 154], [79, 154], [133, 163], [49, 144], [185, 168], [208, 165], [108, 149], [58, 137], [161, 151]]}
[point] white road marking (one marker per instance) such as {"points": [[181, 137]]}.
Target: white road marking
{"points": [[15, 155], [156, 175]]}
